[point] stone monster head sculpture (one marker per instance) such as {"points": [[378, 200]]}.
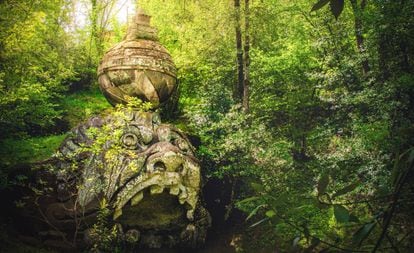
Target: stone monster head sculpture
{"points": [[138, 154], [145, 170]]}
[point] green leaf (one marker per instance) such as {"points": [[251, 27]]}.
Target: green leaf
{"points": [[259, 222], [341, 214], [246, 200], [353, 218], [270, 213], [319, 4], [253, 213], [323, 184], [257, 187], [346, 189], [363, 233], [411, 156], [337, 6]]}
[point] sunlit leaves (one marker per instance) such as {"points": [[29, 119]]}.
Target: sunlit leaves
{"points": [[35, 65], [270, 213]]}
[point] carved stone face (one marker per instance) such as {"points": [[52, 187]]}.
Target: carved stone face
{"points": [[146, 171], [139, 156]]}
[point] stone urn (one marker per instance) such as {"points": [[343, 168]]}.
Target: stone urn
{"points": [[139, 66]]}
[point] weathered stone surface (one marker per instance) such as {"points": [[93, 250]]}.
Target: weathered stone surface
{"points": [[146, 171], [139, 66]]}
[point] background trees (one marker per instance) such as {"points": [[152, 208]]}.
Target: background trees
{"points": [[48, 47], [323, 157], [320, 138], [35, 60]]}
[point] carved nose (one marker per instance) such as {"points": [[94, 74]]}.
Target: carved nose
{"points": [[169, 161], [160, 166]]}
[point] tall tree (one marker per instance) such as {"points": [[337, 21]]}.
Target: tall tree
{"points": [[95, 34], [246, 62], [358, 26], [238, 89], [100, 16]]}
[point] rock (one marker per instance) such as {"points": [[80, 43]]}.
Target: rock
{"points": [[132, 236], [152, 241]]}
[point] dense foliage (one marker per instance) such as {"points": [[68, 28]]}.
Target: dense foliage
{"points": [[323, 157], [330, 115]]}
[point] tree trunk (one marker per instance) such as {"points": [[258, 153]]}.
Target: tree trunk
{"points": [[238, 88], [383, 56], [246, 80], [404, 62], [95, 29], [358, 33]]}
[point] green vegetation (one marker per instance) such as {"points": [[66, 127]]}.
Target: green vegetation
{"points": [[34, 149], [76, 107], [83, 104], [307, 106]]}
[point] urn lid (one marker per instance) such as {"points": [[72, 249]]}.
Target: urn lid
{"points": [[140, 27]]}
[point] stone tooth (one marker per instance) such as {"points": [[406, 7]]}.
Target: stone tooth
{"points": [[137, 198], [156, 189], [174, 190], [190, 215], [117, 213], [183, 196]]}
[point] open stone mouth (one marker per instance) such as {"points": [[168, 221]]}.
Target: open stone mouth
{"points": [[166, 165], [166, 172], [151, 157]]}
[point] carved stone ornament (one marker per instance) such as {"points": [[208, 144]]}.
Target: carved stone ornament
{"points": [[139, 66]]}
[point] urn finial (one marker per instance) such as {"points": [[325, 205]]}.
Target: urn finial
{"points": [[140, 27]]}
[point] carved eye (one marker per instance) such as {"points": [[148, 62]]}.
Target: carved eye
{"points": [[136, 137], [130, 140], [160, 166], [182, 144]]}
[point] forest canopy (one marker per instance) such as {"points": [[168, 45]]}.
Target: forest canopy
{"points": [[304, 108]]}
